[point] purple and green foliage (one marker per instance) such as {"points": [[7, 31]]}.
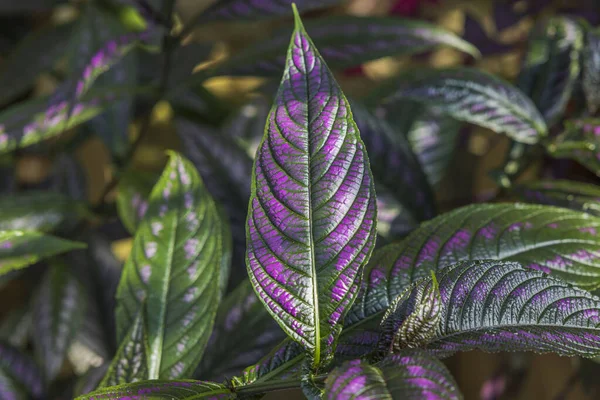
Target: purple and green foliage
{"points": [[312, 213], [132, 198], [408, 375], [591, 69], [580, 142], [568, 194], [176, 271], [19, 374]]}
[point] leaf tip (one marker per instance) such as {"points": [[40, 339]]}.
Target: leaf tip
{"points": [[298, 26]]}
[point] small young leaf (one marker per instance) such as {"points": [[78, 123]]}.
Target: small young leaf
{"points": [[591, 69], [345, 41], [568, 194], [58, 310], [500, 306], [132, 198], [178, 264], [412, 318], [244, 331], [410, 375], [580, 141], [20, 369], [468, 95], [19, 249], [312, 214], [155, 389]]}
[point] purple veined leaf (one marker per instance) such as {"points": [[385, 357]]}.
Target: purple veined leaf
{"points": [[15, 327], [22, 370], [132, 198], [344, 41], [394, 164], [580, 142], [40, 211], [562, 193], [9, 390], [129, 364], [412, 318], [244, 331], [409, 375], [468, 95], [591, 69], [58, 311], [551, 66], [161, 389], [501, 306], [312, 213], [35, 54], [226, 170], [178, 266], [19, 249]]}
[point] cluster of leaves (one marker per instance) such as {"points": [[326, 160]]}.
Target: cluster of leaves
{"points": [[297, 197]]}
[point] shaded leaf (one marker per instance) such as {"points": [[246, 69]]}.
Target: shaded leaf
{"points": [[9, 390], [21, 370], [579, 142], [90, 380], [69, 177], [393, 220], [311, 222], [591, 69], [58, 310], [178, 266], [155, 389], [568, 194], [19, 249], [410, 375], [345, 41], [519, 157], [248, 122], [468, 95], [281, 362], [15, 327], [132, 198], [244, 332], [27, 6]]}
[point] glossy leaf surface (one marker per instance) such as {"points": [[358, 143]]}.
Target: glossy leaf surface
{"points": [[19, 249], [20, 369], [468, 95], [156, 389], [178, 265], [132, 198], [345, 41], [311, 222], [410, 375], [562, 193], [591, 69], [580, 141]]}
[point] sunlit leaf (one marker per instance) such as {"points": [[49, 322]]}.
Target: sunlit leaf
{"points": [[591, 69], [580, 141], [21, 370], [311, 222], [178, 266], [568, 194], [468, 95], [155, 389]]}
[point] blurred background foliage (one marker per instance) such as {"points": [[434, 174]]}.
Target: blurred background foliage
{"points": [[499, 29]]}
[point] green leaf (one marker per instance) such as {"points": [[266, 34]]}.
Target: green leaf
{"points": [[312, 213], [501, 306], [178, 266], [345, 41], [19, 249], [467, 95], [580, 142], [41, 211], [21, 370], [132, 198], [130, 362], [244, 331], [280, 363], [562, 193], [410, 375], [155, 389], [591, 69], [58, 310]]}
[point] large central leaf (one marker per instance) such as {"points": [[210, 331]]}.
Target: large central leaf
{"points": [[311, 222]]}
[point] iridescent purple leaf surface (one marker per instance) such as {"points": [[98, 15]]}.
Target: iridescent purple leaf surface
{"points": [[160, 389], [501, 306], [176, 271], [409, 375], [468, 95], [22, 370], [311, 220], [562, 193], [580, 141]]}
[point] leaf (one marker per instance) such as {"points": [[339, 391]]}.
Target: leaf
{"points": [[562, 193], [226, 170], [130, 362], [394, 165], [21, 370], [178, 266], [90, 380], [518, 159], [243, 332], [69, 177], [551, 66], [248, 122], [591, 69], [281, 362], [345, 41], [35, 54], [58, 310], [467, 95], [19, 249], [9, 389], [132, 198], [412, 318], [579, 142], [501, 306], [410, 375], [41, 211], [312, 213], [155, 389], [15, 327], [394, 221]]}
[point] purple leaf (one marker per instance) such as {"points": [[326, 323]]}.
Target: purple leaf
{"points": [[311, 222], [20, 369]]}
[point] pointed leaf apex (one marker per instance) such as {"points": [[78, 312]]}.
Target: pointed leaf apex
{"points": [[298, 26]]}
